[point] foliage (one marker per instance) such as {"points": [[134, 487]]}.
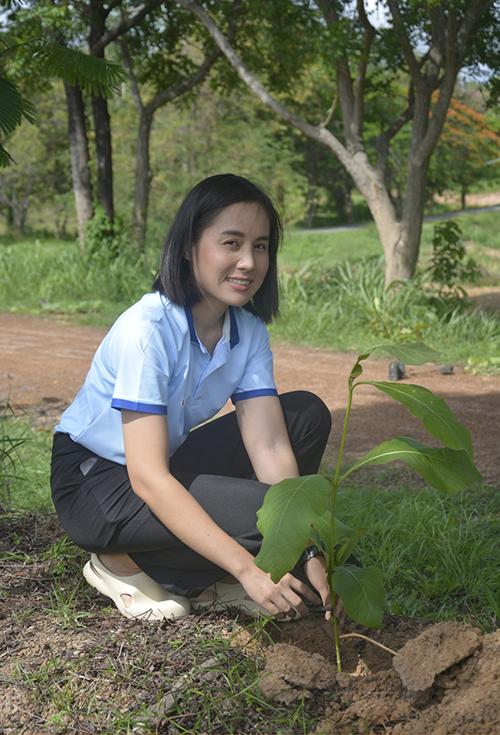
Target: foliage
{"points": [[466, 152], [303, 511], [104, 240], [11, 440], [448, 266], [28, 49], [42, 170]]}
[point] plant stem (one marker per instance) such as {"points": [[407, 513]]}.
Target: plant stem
{"points": [[336, 635], [332, 560], [343, 438]]}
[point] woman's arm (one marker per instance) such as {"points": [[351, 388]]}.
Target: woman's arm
{"points": [[146, 452], [265, 436]]}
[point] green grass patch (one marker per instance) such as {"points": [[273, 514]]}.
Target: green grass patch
{"points": [[25, 478], [52, 277], [346, 307], [481, 234], [438, 553]]}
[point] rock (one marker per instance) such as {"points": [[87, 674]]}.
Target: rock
{"points": [[433, 651]]}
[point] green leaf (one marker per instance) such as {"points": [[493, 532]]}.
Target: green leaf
{"points": [[289, 510], [411, 353], [362, 593], [13, 107], [321, 531], [358, 368], [5, 158], [445, 469], [434, 412], [91, 73]]}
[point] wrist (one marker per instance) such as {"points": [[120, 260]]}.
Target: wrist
{"points": [[241, 563], [310, 553]]}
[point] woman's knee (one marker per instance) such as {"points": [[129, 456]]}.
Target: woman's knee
{"points": [[310, 407]]}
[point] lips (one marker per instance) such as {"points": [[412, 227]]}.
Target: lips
{"points": [[239, 284]]}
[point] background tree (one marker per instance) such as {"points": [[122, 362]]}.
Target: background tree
{"points": [[41, 173], [427, 41], [34, 50], [164, 61], [466, 152]]}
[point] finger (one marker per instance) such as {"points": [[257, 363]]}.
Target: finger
{"points": [[304, 590], [292, 602]]}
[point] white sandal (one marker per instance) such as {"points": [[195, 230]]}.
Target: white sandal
{"points": [[226, 595], [148, 599]]}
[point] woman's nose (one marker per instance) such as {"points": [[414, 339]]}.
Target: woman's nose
{"points": [[246, 260]]}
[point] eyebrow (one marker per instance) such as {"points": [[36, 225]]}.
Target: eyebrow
{"points": [[242, 234]]}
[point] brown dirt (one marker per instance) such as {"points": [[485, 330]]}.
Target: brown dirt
{"points": [[444, 681], [44, 362]]}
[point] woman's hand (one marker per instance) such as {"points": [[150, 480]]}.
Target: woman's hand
{"points": [[281, 598], [315, 570]]}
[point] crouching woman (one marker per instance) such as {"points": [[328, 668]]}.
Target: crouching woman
{"points": [[164, 500]]}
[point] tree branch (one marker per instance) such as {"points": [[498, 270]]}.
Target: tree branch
{"points": [[324, 123], [112, 5], [127, 61], [475, 9], [316, 132], [176, 90], [402, 35], [125, 25], [359, 82]]}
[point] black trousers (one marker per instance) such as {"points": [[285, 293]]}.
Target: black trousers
{"points": [[101, 513]]}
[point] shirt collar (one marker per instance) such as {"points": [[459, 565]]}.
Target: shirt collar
{"points": [[230, 325]]}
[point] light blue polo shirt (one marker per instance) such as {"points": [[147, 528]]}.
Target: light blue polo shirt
{"points": [[153, 362]]}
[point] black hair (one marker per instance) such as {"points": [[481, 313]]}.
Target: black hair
{"points": [[204, 202]]}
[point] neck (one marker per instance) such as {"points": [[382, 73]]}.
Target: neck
{"points": [[208, 317]]}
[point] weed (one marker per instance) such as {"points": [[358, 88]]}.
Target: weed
{"points": [[10, 443]]}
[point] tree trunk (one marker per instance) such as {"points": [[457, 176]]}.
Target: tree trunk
{"points": [[104, 158], [463, 196], [80, 169], [100, 112], [143, 177]]}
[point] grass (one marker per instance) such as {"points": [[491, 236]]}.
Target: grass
{"points": [[481, 233], [438, 553], [24, 483], [346, 307]]}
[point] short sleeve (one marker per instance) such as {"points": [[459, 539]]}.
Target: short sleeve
{"points": [[258, 376], [143, 369]]}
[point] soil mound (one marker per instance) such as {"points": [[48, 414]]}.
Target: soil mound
{"points": [[444, 681]]}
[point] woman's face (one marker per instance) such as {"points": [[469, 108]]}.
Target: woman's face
{"points": [[231, 258]]}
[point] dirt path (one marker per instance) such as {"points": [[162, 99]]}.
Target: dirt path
{"points": [[43, 363]]}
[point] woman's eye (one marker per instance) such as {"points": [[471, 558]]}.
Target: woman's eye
{"points": [[261, 246], [231, 243]]}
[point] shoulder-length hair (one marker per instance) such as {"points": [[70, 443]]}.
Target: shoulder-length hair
{"points": [[204, 202]]}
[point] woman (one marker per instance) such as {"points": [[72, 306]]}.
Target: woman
{"points": [[168, 510]]}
